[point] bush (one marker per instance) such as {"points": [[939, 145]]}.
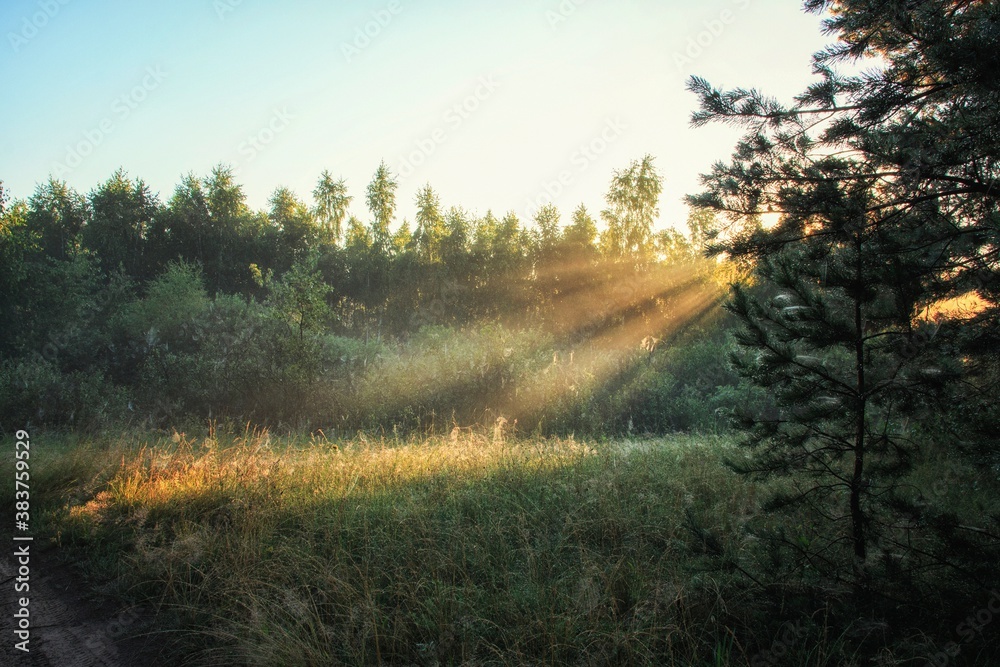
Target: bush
{"points": [[34, 391]]}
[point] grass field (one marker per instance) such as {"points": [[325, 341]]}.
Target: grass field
{"points": [[461, 550]]}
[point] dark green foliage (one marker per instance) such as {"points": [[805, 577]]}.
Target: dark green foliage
{"points": [[297, 229], [207, 222], [35, 390], [201, 308], [123, 211], [56, 215], [16, 246], [886, 186]]}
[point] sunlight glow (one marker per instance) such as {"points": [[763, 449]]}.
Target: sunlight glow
{"points": [[770, 219], [602, 319]]}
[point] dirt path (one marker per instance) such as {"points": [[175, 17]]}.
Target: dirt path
{"points": [[70, 627]]}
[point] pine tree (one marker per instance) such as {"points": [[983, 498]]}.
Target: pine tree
{"points": [[580, 235], [887, 186], [381, 199], [430, 225], [122, 212], [57, 213], [298, 229]]}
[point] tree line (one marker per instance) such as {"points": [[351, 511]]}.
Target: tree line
{"points": [[382, 275], [202, 306]]}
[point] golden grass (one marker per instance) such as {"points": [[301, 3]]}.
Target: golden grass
{"points": [[468, 549]]}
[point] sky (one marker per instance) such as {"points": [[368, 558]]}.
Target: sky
{"points": [[500, 106]]}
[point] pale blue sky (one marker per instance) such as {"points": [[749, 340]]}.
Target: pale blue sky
{"points": [[282, 91]]}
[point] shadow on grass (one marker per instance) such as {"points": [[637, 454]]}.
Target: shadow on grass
{"points": [[465, 551]]}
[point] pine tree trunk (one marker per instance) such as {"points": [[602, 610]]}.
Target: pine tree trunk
{"points": [[857, 518]]}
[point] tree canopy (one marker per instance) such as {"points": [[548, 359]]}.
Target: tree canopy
{"points": [[885, 182]]}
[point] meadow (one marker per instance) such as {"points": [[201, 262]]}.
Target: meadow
{"points": [[380, 426], [469, 549]]}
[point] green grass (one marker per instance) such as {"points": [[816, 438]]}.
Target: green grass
{"points": [[468, 550]]}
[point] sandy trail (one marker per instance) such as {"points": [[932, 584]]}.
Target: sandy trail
{"points": [[68, 628]]}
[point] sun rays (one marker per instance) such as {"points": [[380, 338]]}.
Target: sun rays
{"points": [[591, 334]]}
